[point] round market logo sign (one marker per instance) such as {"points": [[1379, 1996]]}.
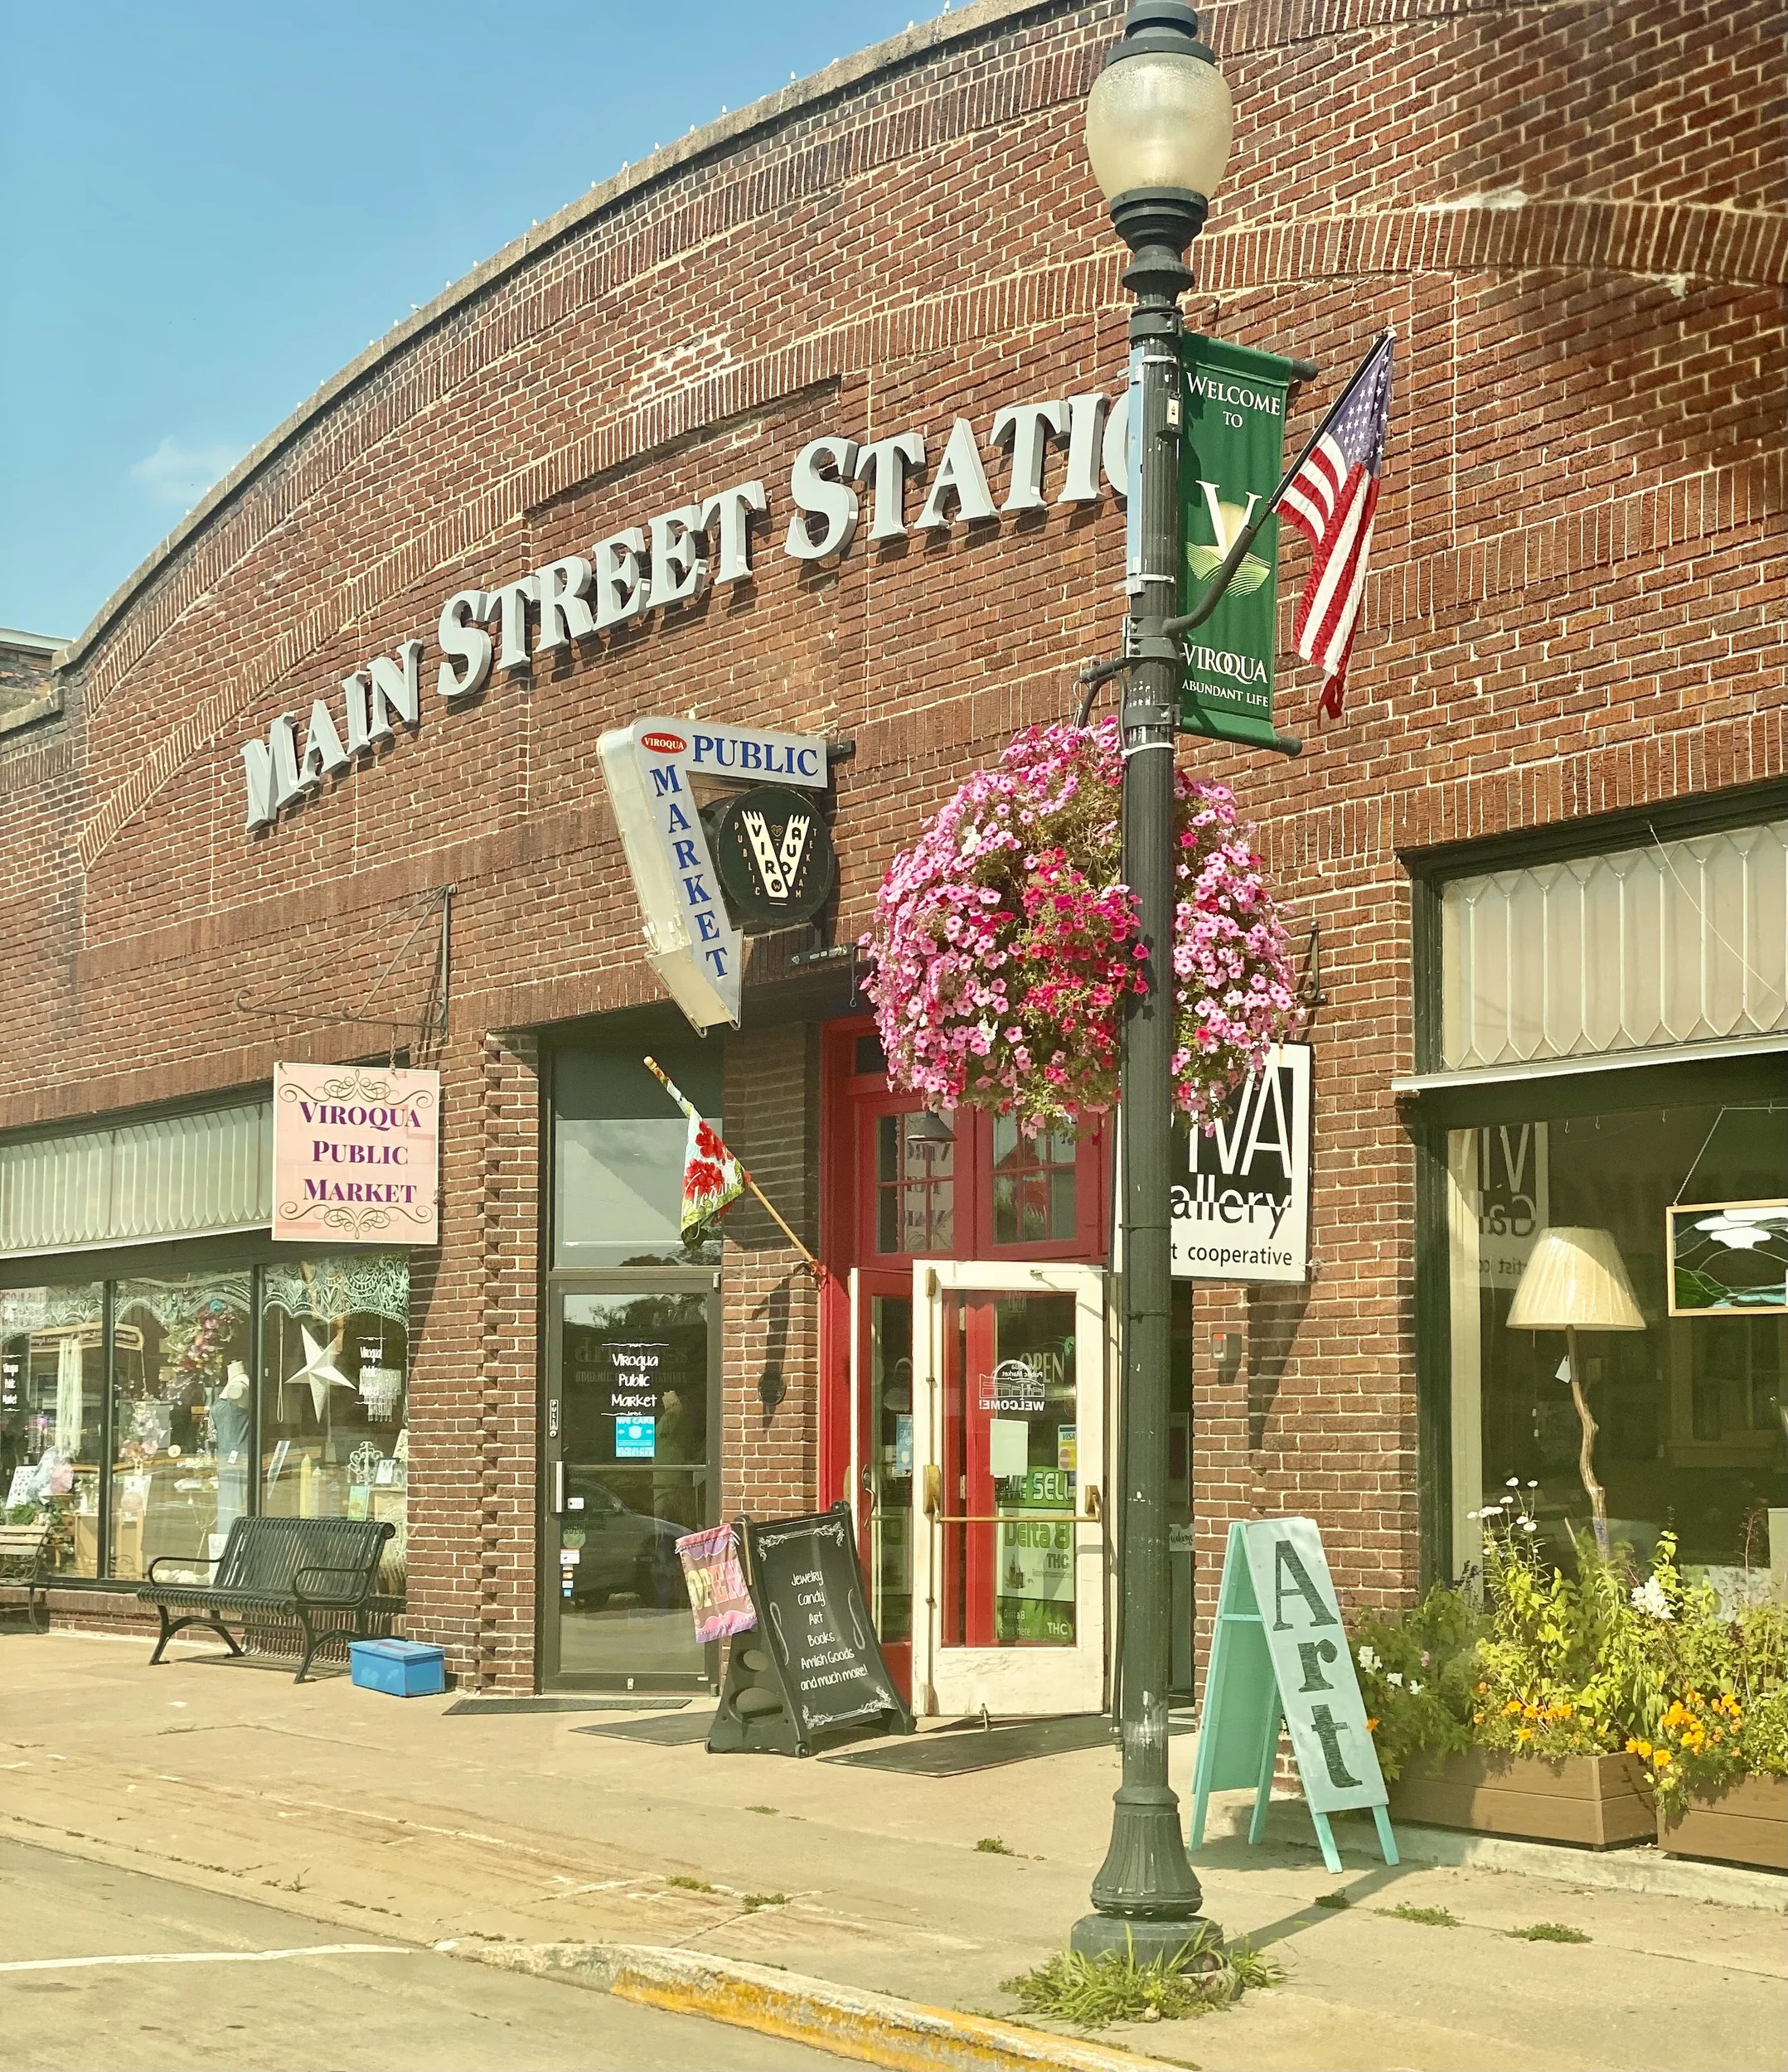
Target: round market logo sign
{"points": [[773, 855]]}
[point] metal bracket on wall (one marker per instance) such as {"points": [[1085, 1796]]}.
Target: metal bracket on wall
{"points": [[428, 1025], [1310, 992]]}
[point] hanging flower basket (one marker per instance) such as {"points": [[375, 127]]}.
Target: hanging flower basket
{"points": [[1005, 943]]}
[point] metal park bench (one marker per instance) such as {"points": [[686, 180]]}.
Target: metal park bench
{"points": [[321, 1572], [24, 1560]]}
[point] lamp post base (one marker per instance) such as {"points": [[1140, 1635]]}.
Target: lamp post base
{"points": [[1147, 1892], [1148, 1942]]}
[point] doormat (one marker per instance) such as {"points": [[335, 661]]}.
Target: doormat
{"points": [[564, 1705], [954, 1753], [667, 1733]]}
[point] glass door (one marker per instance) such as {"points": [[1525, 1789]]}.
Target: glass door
{"points": [[881, 1457], [1009, 1551], [631, 1403]]}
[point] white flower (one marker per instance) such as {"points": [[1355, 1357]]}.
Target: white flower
{"points": [[1512, 1483], [1650, 1598], [1394, 1675], [1368, 1658], [1415, 1688], [1528, 1526]]}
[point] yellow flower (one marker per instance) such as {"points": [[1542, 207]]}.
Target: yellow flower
{"points": [[1372, 1726], [1662, 1759]]}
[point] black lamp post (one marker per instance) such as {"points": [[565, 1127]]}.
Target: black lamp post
{"points": [[1158, 133]]}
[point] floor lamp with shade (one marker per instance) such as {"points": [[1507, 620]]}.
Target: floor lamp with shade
{"points": [[1575, 1280]]}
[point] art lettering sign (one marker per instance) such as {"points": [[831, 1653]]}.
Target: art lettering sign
{"points": [[1281, 1653], [813, 1669], [357, 1155], [1232, 454], [1241, 1196], [773, 854], [652, 770], [672, 558]]}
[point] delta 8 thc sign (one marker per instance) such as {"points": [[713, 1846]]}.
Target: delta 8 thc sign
{"points": [[1232, 454], [778, 854], [357, 1155], [1241, 1195]]}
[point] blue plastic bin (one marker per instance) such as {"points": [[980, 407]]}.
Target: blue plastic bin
{"points": [[401, 1669]]}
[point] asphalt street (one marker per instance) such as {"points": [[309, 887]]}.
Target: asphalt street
{"points": [[106, 1970]]}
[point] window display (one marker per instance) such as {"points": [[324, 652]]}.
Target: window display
{"points": [[1691, 1433], [180, 1393], [335, 1335], [52, 1408]]}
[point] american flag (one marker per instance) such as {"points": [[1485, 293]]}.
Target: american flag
{"points": [[1330, 499]]}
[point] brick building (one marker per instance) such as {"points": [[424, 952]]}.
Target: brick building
{"points": [[1542, 854]]}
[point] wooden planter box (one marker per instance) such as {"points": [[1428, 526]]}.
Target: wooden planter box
{"points": [[1746, 1824], [1596, 1801]]}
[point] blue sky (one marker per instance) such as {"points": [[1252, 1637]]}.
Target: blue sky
{"points": [[209, 206]]}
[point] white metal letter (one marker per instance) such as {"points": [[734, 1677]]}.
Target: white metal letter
{"points": [[1026, 422], [461, 635], [1086, 416], [835, 501], [396, 687], [733, 507], [888, 460], [562, 587], [513, 599], [960, 474], [621, 591], [677, 568], [272, 773], [324, 753]]}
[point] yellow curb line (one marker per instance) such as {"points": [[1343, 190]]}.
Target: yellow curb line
{"points": [[873, 2027]]}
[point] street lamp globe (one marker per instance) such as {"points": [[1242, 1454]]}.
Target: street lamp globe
{"points": [[1159, 122]]}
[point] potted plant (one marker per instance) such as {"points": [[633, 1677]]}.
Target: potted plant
{"points": [[1715, 1744], [1005, 943], [1525, 1730]]}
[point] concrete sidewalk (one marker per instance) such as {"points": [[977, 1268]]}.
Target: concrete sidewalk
{"points": [[343, 1806]]}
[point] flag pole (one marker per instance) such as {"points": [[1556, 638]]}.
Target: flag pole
{"points": [[1220, 576], [664, 1080]]}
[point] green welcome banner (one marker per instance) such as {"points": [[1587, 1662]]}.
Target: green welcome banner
{"points": [[1232, 454]]}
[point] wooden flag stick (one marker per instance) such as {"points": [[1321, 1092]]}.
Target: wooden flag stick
{"points": [[814, 1267]]}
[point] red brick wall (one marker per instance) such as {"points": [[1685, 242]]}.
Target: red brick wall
{"points": [[1571, 213]]}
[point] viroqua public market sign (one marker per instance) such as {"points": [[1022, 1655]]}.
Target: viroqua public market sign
{"points": [[675, 555], [357, 1155]]}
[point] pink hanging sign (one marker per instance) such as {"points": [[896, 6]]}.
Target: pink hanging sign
{"points": [[357, 1155], [717, 1592]]}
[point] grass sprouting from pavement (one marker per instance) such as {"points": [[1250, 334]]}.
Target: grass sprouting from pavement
{"points": [[1428, 1916], [690, 1884], [1336, 1899], [992, 1846], [753, 1901], [1548, 1932], [1092, 1992]]}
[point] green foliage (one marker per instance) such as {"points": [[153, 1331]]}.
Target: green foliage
{"points": [[753, 1901], [1427, 1916], [992, 1846], [1338, 1900], [1092, 1992], [690, 1884], [1713, 1707], [1416, 1673], [1548, 1932]]}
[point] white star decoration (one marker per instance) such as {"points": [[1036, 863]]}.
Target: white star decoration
{"points": [[319, 1370]]}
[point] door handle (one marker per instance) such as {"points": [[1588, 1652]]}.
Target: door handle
{"points": [[1095, 1503], [933, 1492], [559, 1488]]}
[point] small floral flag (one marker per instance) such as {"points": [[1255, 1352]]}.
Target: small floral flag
{"points": [[713, 1179]]}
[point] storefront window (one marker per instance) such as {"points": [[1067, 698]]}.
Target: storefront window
{"points": [[619, 1140], [1034, 1202], [335, 1346], [915, 1183], [180, 1417], [52, 1407], [1690, 1409]]}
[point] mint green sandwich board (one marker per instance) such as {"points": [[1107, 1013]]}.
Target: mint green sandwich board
{"points": [[1291, 1663]]}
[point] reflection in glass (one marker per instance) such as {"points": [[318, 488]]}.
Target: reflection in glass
{"points": [[1011, 1465], [619, 1140], [1690, 1409], [1033, 1185], [915, 1183], [890, 1465], [335, 1439], [180, 1418], [52, 1406], [634, 1448]]}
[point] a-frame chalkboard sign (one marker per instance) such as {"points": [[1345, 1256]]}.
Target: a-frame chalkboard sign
{"points": [[813, 1668], [1279, 1651]]}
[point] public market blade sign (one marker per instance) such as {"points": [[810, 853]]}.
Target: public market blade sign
{"points": [[1279, 1651], [652, 770], [1232, 454], [357, 1155], [1241, 1194]]}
